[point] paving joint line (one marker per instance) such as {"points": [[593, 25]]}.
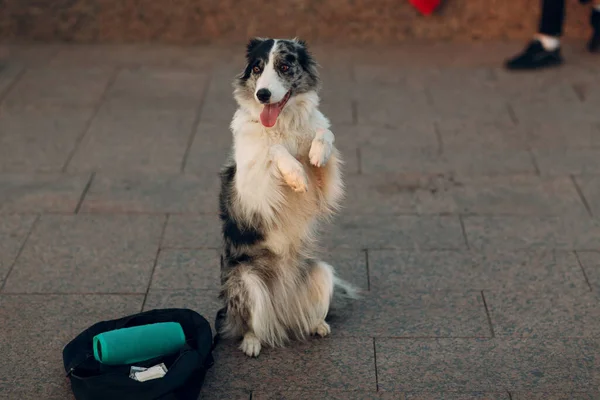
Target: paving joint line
{"points": [[72, 294], [354, 112], [359, 161], [11, 86], [438, 137], [579, 90], [487, 312], [464, 231], [368, 269], [581, 196], [587, 280], [375, 363], [88, 124], [196, 122], [158, 251], [85, 192], [14, 263], [534, 162], [512, 114]]}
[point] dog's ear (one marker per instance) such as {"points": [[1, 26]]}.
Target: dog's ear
{"points": [[252, 45], [304, 56], [302, 43]]}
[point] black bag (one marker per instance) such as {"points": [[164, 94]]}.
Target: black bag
{"points": [[91, 380]]}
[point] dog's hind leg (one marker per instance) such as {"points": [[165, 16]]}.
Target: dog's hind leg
{"points": [[320, 290]]}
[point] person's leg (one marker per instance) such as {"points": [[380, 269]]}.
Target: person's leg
{"points": [[594, 43], [544, 50]]}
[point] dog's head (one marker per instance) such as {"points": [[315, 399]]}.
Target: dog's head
{"points": [[276, 72]]}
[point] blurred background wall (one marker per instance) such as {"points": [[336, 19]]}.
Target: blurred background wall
{"points": [[232, 21]]}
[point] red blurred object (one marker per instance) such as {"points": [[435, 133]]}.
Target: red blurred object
{"points": [[425, 7]]}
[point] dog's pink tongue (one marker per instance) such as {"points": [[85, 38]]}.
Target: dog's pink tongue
{"points": [[269, 114]]}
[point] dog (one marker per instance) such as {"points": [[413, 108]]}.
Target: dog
{"points": [[283, 177]]}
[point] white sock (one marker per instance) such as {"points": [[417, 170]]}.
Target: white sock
{"points": [[597, 7], [550, 43]]}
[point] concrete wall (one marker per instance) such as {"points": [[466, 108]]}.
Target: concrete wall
{"points": [[232, 21]]}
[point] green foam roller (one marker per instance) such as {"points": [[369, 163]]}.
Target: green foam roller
{"points": [[138, 343]]}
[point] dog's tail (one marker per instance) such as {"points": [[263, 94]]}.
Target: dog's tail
{"points": [[344, 293], [344, 289]]}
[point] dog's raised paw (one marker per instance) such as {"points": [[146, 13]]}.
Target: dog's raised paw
{"points": [[296, 178], [320, 151], [250, 345], [323, 329]]}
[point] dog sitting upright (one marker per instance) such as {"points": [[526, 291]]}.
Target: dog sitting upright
{"points": [[284, 176]]}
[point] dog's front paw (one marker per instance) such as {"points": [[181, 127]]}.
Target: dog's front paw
{"points": [[295, 177], [250, 345], [323, 329], [320, 151]]}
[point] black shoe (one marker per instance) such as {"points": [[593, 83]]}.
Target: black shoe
{"points": [[594, 43], [534, 57]]}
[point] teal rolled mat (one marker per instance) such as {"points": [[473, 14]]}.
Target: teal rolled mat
{"points": [[138, 343]]}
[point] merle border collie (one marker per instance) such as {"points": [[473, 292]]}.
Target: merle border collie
{"points": [[282, 179]]}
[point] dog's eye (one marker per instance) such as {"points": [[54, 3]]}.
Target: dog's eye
{"points": [[256, 69], [284, 68]]}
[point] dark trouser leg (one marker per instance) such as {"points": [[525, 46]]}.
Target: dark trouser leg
{"points": [[553, 16]]}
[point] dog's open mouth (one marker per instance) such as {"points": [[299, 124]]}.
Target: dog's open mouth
{"points": [[269, 114]]}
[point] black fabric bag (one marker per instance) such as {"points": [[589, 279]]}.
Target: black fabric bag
{"points": [[91, 380]]}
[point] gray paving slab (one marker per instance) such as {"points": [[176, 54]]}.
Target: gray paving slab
{"points": [[397, 271], [204, 302], [439, 194], [141, 140], [487, 365], [458, 396], [9, 73], [511, 233], [14, 230], [412, 134], [460, 134], [554, 396], [34, 140], [568, 161], [225, 395], [88, 254], [413, 314], [391, 105], [35, 328], [193, 232], [29, 54], [152, 193], [546, 314], [338, 101], [590, 262], [211, 146], [136, 55], [401, 232], [218, 104], [326, 364], [37, 193], [324, 395], [388, 159], [58, 87], [187, 269], [156, 89], [561, 134], [590, 190]]}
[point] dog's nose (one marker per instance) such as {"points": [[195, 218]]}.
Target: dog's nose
{"points": [[263, 95]]}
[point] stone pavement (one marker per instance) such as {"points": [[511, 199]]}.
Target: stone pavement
{"points": [[471, 221]]}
